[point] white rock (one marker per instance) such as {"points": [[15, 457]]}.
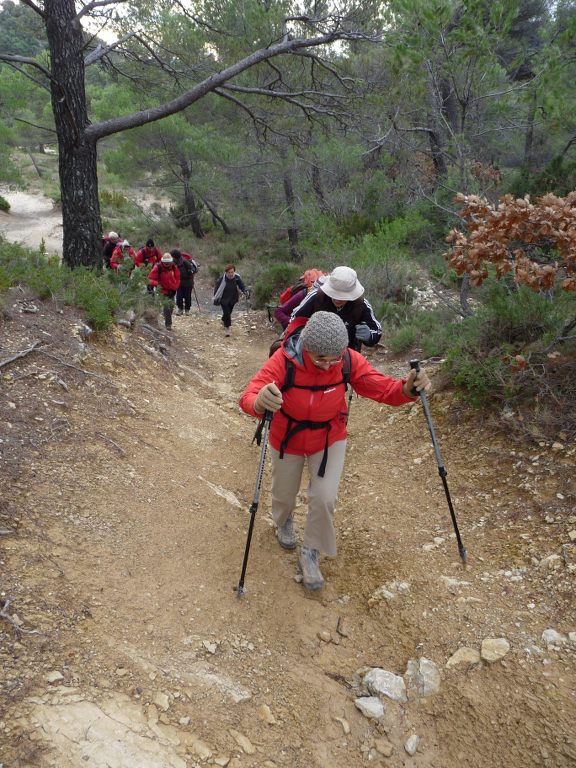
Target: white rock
{"points": [[243, 742], [572, 637], [264, 713], [344, 723], [494, 648], [54, 677], [380, 681], [464, 655], [411, 744], [572, 535], [184, 721], [200, 748], [422, 677], [370, 706], [161, 700], [552, 637], [210, 647]]}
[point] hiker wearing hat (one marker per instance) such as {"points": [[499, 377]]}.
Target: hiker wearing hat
{"points": [[166, 275], [342, 293], [188, 269], [108, 244], [304, 385], [149, 254], [226, 294], [123, 254]]}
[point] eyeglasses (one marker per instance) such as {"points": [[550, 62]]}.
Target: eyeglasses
{"points": [[322, 361]]}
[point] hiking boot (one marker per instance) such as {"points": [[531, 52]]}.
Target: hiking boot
{"points": [[186, 311], [309, 562], [226, 331], [285, 534], [178, 311]]}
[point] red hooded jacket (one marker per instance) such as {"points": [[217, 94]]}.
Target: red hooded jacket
{"points": [[168, 278], [119, 254], [327, 405], [147, 256]]}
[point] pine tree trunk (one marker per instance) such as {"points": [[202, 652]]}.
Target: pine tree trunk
{"points": [[293, 228], [190, 207], [76, 156]]}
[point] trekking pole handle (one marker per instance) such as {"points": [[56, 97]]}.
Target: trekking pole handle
{"points": [[415, 365]]}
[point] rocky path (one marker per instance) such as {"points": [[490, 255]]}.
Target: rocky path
{"points": [[123, 529]]}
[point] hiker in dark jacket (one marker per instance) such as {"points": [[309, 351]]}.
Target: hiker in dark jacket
{"points": [[342, 293], [187, 269], [109, 243], [226, 294], [309, 424]]}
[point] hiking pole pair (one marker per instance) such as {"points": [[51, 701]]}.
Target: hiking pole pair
{"points": [[415, 364], [260, 439], [196, 297]]}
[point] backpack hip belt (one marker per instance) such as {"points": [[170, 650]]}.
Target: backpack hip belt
{"points": [[294, 426]]}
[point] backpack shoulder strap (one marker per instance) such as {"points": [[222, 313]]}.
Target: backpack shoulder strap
{"points": [[346, 366], [289, 377]]}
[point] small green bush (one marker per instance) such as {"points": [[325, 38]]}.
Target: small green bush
{"points": [[4, 204], [273, 280], [99, 294]]}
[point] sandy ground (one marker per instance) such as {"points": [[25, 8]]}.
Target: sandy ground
{"points": [[31, 219], [128, 476]]}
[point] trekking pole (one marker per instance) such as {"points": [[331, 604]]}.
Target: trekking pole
{"points": [[196, 297], [358, 348], [266, 419], [415, 364]]}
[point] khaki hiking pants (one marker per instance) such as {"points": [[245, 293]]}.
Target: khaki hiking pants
{"points": [[319, 530]]}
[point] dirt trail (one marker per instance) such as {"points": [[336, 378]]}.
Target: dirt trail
{"points": [[31, 219], [127, 496]]}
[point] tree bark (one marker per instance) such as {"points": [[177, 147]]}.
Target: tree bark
{"points": [[216, 218], [82, 225], [293, 228], [190, 208], [528, 159], [318, 189], [435, 135]]}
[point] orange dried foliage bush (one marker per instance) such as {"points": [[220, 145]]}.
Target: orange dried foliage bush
{"points": [[535, 242]]}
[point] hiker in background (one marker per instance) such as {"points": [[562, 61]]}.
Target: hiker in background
{"points": [[149, 254], [123, 255], [283, 312], [108, 244], [226, 294], [187, 269], [166, 275], [307, 378], [342, 293]]}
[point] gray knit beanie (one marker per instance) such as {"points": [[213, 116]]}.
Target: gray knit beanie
{"points": [[324, 334]]}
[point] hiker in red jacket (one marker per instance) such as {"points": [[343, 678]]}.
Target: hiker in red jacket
{"points": [[166, 275], [304, 385], [148, 254], [123, 254]]}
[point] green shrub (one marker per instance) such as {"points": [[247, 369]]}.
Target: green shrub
{"points": [[114, 199], [511, 322], [99, 294], [4, 204], [272, 281]]}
